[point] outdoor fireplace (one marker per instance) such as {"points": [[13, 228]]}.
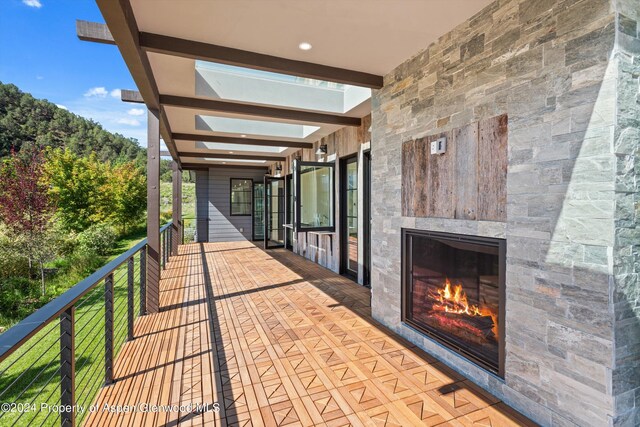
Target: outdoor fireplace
{"points": [[453, 291]]}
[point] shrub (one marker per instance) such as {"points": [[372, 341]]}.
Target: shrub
{"points": [[83, 263], [98, 239], [12, 262], [165, 217], [19, 297]]}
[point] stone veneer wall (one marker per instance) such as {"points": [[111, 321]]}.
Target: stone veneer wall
{"points": [[626, 263], [566, 74]]}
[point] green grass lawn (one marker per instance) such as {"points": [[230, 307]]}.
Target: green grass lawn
{"points": [[32, 374]]}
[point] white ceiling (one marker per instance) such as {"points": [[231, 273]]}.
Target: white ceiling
{"points": [[372, 36]]}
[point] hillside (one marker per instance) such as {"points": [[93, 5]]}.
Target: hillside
{"points": [[25, 120]]}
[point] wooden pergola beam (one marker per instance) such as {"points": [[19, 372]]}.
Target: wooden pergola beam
{"points": [[191, 49], [94, 32], [257, 110], [127, 95], [243, 141], [120, 19], [204, 155]]}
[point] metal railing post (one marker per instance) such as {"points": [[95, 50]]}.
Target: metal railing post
{"points": [[130, 314], [163, 245], [108, 329], [167, 236], [169, 239], [143, 281], [171, 233], [68, 367]]}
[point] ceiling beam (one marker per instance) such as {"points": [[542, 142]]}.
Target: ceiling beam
{"points": [[122, 25], [94, 32], [258, 110], [127, 95], [242, 141], [205, 166], [205, 155], [167, 45]]}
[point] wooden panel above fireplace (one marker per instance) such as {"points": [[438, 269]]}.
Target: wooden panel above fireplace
{"points": [[469, 181]]}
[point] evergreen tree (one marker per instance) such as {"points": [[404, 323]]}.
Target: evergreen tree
{"points": [[26, 121]]}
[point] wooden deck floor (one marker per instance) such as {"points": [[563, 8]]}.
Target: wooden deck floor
{"points": [[277, 340]]}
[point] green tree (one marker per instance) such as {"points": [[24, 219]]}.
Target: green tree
{"points": [[76, 184], [29, 122], [91, 192], [124, 199]]}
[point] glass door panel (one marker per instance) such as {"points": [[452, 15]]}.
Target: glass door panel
{"points": [[258, 211], [289, 211], [349, 230], [274, 212], [352, 215]]}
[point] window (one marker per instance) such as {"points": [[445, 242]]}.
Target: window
{"points": [[315, 201], [241, 190]]}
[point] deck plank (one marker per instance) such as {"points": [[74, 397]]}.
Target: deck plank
{"points": [[274, 339]]}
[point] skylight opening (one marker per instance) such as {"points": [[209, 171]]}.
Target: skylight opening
{"points": [[254, 128], [240, 147], [267, 75], [219, 81], [235, 160]]}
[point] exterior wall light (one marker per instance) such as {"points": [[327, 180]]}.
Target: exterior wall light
{"points": [[322, 150]]}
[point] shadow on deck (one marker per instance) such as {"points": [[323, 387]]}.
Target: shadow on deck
{"points": [[273, 339]]}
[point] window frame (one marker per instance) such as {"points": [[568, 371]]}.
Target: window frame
{"points": [[298, 224], [231, 196]]}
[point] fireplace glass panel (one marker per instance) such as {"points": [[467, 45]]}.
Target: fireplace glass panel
{"points": [[454, 293]]}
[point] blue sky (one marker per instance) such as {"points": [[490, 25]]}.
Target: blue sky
{"points": [[41, 54]]}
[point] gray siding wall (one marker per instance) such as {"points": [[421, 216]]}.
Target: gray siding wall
{"points": [[213, 193]]}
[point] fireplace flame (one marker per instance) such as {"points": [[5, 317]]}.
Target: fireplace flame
{"points": [[453, 299]]}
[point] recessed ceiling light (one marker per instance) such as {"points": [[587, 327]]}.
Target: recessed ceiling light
{"points": [[230, 152], [243, 136], [224, 163], [305, 46]]}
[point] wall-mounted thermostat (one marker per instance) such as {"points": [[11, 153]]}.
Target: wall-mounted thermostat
{"points": [[439, 146]]}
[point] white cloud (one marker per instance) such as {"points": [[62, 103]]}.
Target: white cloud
{"points": [[61, 106], [99, 92], [111, 113], [136, 112], [115, 93], [39, 77], [128, 121], [33, 3]]}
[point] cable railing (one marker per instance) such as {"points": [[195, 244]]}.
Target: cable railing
{"points": [[54, 362]]}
